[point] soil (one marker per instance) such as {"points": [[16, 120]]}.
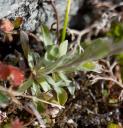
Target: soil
{"points": [[90, 107]]}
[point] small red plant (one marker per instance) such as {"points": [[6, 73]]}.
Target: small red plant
{"points": [[11, 73], [16, 75], [17, 124], [4, 71]]}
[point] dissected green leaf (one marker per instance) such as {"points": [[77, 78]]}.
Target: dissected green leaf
{"points": [[46, 36]]}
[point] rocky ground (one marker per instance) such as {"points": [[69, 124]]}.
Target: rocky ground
{"points": [[92, 106]]}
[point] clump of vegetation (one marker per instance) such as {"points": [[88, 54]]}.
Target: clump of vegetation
{"points": [[43, 81]]}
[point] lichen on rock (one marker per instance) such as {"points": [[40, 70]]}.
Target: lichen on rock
{"points": [[35, 12]]}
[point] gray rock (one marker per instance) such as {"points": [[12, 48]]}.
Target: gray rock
{"points": [[36, 12]]}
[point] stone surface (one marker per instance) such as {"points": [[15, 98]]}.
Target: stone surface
{"points": [[36, 11]]}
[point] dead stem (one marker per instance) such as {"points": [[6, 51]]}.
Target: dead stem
{"points": [[38, 116], [96, 78], [57, 20], [57, 17], [15, 93]]}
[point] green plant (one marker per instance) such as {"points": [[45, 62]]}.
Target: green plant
{"points": [[49, 81], [51, 71]]}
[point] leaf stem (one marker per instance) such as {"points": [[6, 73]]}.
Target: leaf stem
{"points": [[66, 20]]}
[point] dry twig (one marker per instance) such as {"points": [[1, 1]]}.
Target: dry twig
{"points": [[38, 116]]}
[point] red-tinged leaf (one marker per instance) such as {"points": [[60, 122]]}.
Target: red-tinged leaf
{"points": [[16, 76], [4, 71], [6, 25], [17, 124]]}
